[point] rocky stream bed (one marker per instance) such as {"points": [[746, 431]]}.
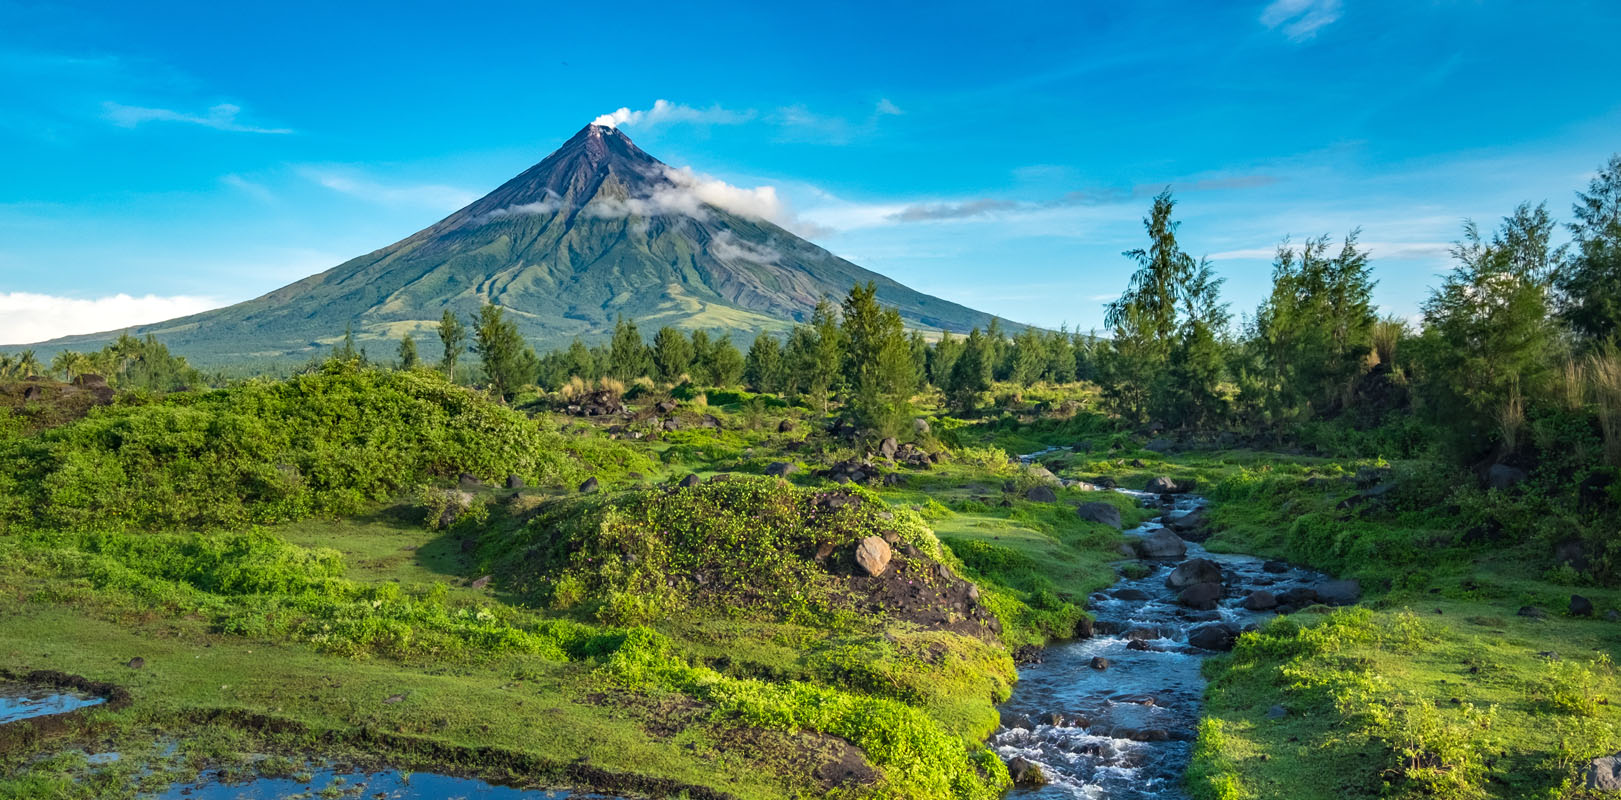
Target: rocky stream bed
{"points": [[1115, 715]]}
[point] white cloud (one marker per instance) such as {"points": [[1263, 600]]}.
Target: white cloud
{"points": [[1300, 19], [727, 247], [551, 203], [256, 190], [886, 107], [1394, 251], [664, 111], [689, 193], [221, 117], [437, 196], [26, 317]]}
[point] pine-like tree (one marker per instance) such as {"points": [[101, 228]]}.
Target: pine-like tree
{"points": [[970, 373], [628, 358], [672, 354], [453, 335], [408, 353], [763, 367], [508, 363], [1590, 285]]}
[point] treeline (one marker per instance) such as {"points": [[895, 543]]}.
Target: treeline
{"points": [[1516, 354], [127, 363]]}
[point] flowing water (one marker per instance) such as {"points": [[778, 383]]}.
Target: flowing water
{"points": [[23, 702], [1126, 731]]}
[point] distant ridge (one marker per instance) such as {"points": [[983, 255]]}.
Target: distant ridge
{"points": [[596, 230]]}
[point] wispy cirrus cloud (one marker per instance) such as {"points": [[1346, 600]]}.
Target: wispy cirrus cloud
{"points": [[28, 317], [1300, 20], [222, 117], [991, 207], [665, 112], [1395, 251], [350, 182]]}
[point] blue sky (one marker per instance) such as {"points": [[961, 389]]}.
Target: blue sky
{"points": [[164, 157]]}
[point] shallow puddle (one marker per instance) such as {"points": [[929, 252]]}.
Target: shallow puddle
{"points": [[25, 702], [327, 783]]}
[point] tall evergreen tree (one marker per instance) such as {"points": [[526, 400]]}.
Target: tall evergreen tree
{"points": [[970, 373], [817, 354], [702, 358], [408, 353], [1198, 363], [763, 367], [508, 363], [723, 363], [627, 355], [878, 368], [1489, 338], [942, 357], [1590, 285], [672, 354], [453, 335], [1144, 317]]}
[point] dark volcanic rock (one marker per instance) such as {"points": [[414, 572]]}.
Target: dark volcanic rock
{"points": [[1041, 494], [1193, 571], [1216, 636], [1339, 593], [691, 480], [588, 486], [1261, 600], [1161, 544], [1202, 596], [1100, 512], [1580, 606]]}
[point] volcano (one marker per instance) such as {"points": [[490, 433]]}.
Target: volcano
{"points": [[596, 231]]}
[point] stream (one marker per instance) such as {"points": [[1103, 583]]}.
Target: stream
{"points": [[1124, 730]]}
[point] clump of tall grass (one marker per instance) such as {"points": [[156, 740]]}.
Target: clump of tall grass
{"points": [[1594, 383], [1604, 384], [1387, 334]]}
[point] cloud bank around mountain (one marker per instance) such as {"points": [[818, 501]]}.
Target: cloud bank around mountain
{"points": [[29, 317]]}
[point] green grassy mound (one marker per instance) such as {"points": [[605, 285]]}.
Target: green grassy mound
{"points": [[271, 451]]}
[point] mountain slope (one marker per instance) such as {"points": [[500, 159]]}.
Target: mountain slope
{"points": [[597, 230]]}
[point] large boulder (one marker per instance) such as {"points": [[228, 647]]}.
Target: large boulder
{"points": [[588, 486], [1100, 512], [1201, 596], [780, 469], [872, 555], [1041, 494], [1161, 544], [888, 447], [1193, 571], [1261, 600], [1192, 526], [1603, 774], [1164, 485], [1215, 636], [1580, 606], [1339, 593]]}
